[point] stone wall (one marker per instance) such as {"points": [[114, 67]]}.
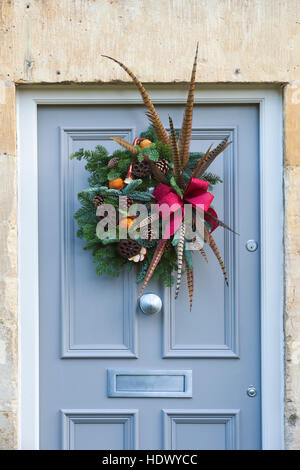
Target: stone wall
{"points": [[292, 263], [61, 41]]}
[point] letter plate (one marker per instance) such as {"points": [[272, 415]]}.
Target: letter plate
{"points": [[149, 383]]}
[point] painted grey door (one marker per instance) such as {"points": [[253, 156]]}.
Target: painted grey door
{"points": [[99, 354]]}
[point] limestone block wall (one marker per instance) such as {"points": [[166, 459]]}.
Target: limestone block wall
{"points": [[292, 263], [61, 42]]}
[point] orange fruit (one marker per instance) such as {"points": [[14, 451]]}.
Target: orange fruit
{"points": [[145, 143], [126, 223], [118, 183]]}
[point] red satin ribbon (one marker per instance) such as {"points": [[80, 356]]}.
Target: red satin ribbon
{"points": [[196, 193], [212, 223]]}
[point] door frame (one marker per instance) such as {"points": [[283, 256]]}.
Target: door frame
{"points": [[269, 101]]}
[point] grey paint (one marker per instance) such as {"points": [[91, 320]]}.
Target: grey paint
{"points": [[201, 429], [91, 429], [90, 324]]}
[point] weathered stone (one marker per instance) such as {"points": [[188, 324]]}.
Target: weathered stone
{"points": [[8, 303], [59, 41], [292, 124], [7, 117], [62, 41], [292, 308], [8, 430]]}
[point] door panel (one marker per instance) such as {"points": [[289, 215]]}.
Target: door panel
{"points": [[109, 429], [87, 333], [201, 429], [90, 325]]}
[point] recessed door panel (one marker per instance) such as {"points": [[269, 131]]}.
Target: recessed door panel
{"points": [[112, 377]]}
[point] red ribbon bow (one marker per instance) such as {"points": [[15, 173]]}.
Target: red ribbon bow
{"points": [[196, 194]]}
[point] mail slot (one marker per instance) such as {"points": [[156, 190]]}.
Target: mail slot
{"points": [[149, 383]]}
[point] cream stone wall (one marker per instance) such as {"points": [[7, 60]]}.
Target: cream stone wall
{"points": [[292, 263], [61, 41]]}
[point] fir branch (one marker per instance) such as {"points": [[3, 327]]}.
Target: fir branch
{"points": [[142, 196], [113, 174], [212, 178], [142, 272], [132, 186], [149, 134]]}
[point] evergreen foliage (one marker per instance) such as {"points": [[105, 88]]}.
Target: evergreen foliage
{"points": [[108, 261]]}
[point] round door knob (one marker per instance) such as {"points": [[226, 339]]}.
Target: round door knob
{"points": [[150, 304], [251, 391]]}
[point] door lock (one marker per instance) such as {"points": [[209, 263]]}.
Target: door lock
{"points": [[251, 391], [150, 304], [251, 245]]}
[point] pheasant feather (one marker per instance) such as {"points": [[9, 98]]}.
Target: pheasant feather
{"points": [[203, 254], [199, 163], [158, 125], [222, 224], [190, 282], [207, 161], [180, 248], [154, 262], [158, 131], [211, 242], [175, 156], [186, 129], [156, 172], [131, 148]]}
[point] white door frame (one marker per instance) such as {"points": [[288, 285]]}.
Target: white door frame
{"points": [[271, 222]]}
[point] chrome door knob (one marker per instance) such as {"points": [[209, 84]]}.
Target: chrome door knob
{"points": [[150, 304], [251, 391]]}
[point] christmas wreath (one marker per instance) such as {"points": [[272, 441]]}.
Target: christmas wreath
{"points": [[157, 168]]}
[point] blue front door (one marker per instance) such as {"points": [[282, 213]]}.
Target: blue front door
{"points": [[112, 377]]}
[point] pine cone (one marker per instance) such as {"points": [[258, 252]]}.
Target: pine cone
{"points": [[98, 200], [141, 169], [129, 201], [113, 162], [163, 166], [128, 248]]}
